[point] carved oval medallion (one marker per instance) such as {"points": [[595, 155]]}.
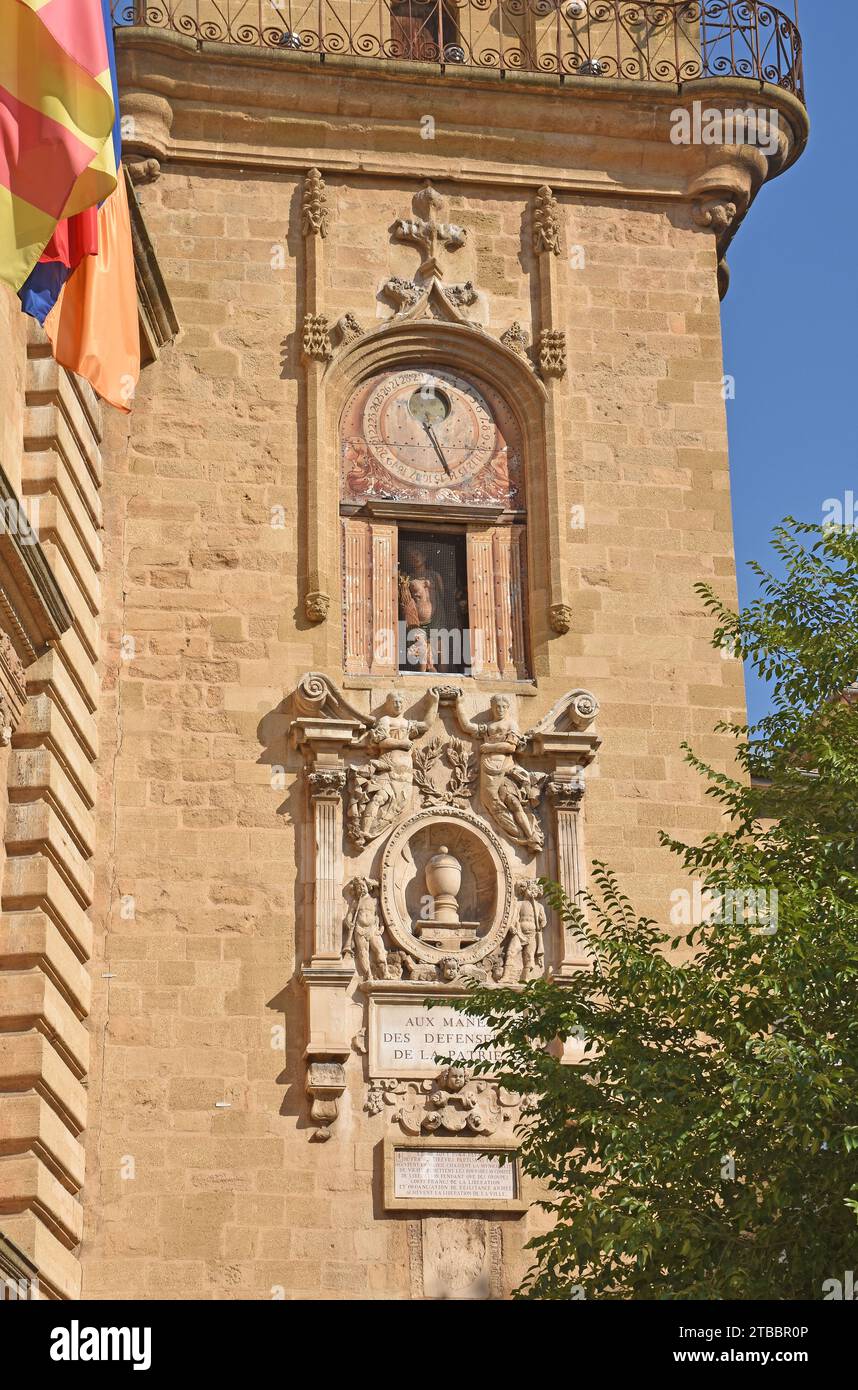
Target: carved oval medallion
{"points": [[477, 923]]}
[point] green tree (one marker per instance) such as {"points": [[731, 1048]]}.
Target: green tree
{"points": [[707, 1145]]}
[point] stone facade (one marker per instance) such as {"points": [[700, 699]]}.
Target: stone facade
{"points": [[211, 762]]}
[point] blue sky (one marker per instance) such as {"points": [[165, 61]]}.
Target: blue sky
{"points": [[791, 314]]}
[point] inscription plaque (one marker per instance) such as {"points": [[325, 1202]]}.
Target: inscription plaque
{"points": [[451, 1174], [408, 1040]]}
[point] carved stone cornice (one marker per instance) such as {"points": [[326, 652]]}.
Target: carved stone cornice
{"points": [[239, 84]]}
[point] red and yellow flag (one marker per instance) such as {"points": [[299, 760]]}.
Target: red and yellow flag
{"points": [[93, 327], [56, 121]]}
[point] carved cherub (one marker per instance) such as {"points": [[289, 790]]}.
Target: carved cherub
{"points": [[525, 952], [365, 933]]}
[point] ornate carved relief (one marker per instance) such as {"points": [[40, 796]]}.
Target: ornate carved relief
{"points": [[403, 294], [560, 616], [424, 295], [552, 354], [143, 170], [447, 893], [460, 787], [454, 1103], [316, 605], [524, 947], [516, 338], [380, 790], [461, 295], [348, 329], [457, 1258], [546, 222], [715, 214], [364, 932], [315, 218], [446, 899], [508, 792], [428, 233], [316, 339]]}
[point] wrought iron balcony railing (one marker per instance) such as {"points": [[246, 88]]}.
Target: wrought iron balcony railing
{"points": [[668, 41]]}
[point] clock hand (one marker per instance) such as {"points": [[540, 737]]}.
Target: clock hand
{"points": [[437, 447]]}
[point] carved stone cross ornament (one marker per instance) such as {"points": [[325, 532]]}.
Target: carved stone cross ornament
{"points": [[427, 233]]}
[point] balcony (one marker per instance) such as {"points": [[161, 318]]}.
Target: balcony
{"points": [[662, 41]]}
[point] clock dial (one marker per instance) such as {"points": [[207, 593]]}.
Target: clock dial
{"points": [[429, 429], [430, 434]]}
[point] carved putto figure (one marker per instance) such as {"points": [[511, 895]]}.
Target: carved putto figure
{"points": [[379, 791], [508, 792], [364, 931], [524, 951], [455, 1103]]}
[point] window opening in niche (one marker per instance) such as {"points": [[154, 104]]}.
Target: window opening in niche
{"points": [[434, 634]]}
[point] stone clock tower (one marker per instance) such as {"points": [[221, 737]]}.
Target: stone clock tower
{"points": [[396, 613]]}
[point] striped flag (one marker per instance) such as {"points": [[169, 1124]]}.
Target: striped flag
{"points": [[57, 113]]}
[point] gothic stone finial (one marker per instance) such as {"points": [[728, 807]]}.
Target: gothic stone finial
{"points": [[546, 222], [516, 338], [314, 207]]}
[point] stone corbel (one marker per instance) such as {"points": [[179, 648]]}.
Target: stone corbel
{"points": [[325, 1083], [147, 121], [720, 198]]}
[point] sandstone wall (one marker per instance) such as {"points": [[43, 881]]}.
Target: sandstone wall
{"points": [[230, 1199]]}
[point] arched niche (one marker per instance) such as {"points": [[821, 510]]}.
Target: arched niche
{"points": [[460, 349]]}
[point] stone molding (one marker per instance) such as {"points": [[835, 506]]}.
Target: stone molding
{"points": [[156, 315]]}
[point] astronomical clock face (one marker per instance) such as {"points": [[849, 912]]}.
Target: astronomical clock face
{"points": [[429, 435]]}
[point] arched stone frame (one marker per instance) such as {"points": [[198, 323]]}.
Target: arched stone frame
{"points": [[459, 348]]}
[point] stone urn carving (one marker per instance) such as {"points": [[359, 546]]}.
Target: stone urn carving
{"points": [[444, 879], [444, 929]]}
